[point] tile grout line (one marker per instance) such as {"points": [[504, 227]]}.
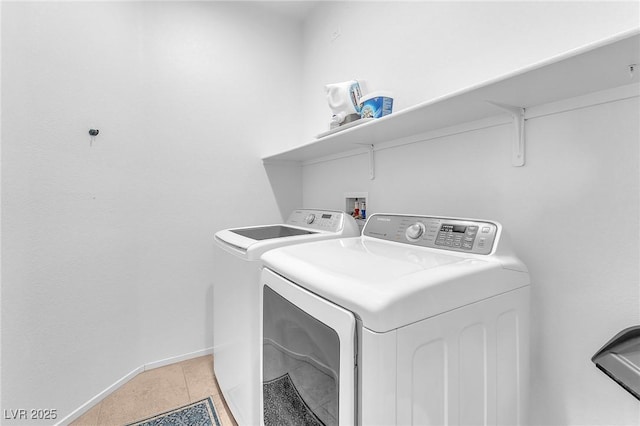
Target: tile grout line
{"points": [[99, 414], [186, 384]]}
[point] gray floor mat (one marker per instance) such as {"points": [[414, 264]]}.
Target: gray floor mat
{"points": [[283, 405]]}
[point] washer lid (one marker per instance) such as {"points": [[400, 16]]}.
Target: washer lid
{"points": [[269, 232], [250, 242], [389, 285]]}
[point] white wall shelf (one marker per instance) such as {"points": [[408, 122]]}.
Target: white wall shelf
{"points": [[593, 68]]}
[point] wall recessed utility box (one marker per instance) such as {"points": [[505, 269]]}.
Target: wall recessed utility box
{"points": [[357, 205]]}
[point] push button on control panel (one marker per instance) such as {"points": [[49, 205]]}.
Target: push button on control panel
{"points": [[457, 236]]}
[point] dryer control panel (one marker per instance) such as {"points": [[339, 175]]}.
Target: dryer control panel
{"points": [[463, 235]]}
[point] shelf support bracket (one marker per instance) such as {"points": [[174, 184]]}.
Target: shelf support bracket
{"points": [[372, 164], [518, 145]]}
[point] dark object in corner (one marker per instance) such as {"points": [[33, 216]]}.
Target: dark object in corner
{"points": [[620, 359]]}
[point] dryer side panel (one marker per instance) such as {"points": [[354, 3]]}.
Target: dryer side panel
{"points": [[466, 366], [377, 388]]}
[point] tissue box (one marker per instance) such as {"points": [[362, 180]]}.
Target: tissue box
{"points": [[376, 105]]}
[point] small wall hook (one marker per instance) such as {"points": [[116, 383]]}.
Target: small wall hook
{"points": [[93, 133], [632, 69]]}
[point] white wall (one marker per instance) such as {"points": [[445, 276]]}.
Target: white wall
{"points": [[582, 170], [108, 257]]}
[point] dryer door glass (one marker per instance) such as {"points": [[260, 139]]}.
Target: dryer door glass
{"points": [[301, 364]]}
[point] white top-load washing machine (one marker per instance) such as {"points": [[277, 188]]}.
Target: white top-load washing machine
{"points": [[421, 320], [237, 299]]}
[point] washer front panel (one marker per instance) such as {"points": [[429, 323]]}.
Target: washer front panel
{"points": [[462, 235]]}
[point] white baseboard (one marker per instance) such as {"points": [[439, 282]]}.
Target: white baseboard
{"points": [[149, 366], [179, 358]]}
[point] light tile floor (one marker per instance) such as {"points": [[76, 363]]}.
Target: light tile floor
{"points": [[157, 391]]}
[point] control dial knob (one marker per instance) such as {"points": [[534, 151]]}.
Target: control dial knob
{"points": [[415, 231], [310, 218]]}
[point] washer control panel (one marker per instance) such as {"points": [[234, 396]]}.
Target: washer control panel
{"points": [[323, 220], [464, 235]]}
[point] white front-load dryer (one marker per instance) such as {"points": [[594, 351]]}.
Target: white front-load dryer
{"points": [[421, 320], [237, 299]]}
